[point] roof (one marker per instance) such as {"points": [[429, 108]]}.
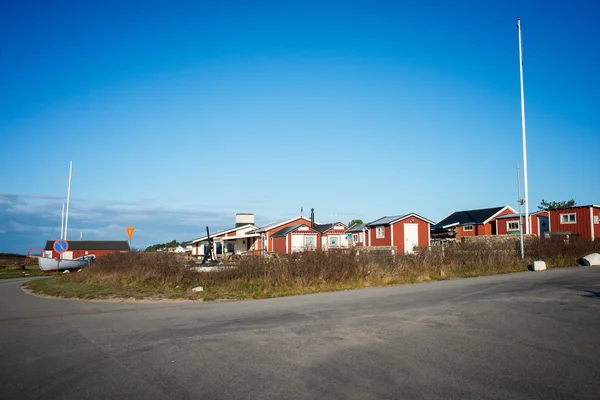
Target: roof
{"points": [[120, 245], [393, 219], [212, 235], [471, 217], [507, 216], [357, 228], [325, 227], [287, 230], [275, 224]]}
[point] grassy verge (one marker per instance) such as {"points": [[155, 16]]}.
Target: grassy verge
{"points": [[30, 270], [162, 275]]}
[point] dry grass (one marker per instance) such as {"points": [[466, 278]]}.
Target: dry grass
{"points": [[140, 274]]}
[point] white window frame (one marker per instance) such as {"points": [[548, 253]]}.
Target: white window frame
{"points": [[355, 237], [312, 239], [468, 228], [334, 241], [565, 218], [380, 232], [509, 229], [360, 237]]}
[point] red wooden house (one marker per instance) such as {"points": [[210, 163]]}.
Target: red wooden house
{"points": [[509, 224], [295, 238], [403, 231], [360, 235], [578, 221], [479, 222], [80, 248], [332, 236]]}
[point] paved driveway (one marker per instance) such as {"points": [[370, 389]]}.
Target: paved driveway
{"points": [[518, 336]]}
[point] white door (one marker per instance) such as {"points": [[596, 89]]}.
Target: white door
{"points": [[411, 237]]}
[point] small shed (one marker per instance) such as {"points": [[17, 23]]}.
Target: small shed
{"points": [[333, 235], [405, 231]]}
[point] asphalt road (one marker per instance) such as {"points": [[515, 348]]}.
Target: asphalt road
{"points": [[519, 336]]}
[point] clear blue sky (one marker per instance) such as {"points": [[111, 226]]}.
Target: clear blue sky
{"points": [[177, 114]]}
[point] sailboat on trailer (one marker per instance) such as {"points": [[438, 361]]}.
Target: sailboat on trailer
{"points": [[48, 264]]}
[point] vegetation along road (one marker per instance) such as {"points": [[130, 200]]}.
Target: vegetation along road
{"points": [[512, 336]]}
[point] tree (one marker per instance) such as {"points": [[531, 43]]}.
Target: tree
{"points": [[355, 222], [553, 205], [155, 247]]}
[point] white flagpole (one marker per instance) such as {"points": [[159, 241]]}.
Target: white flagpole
{"points": [[68, 200], [527, 227], [62, 222]]}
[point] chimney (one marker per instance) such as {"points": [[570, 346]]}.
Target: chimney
{"points": [[312, 218], [242, 219]]}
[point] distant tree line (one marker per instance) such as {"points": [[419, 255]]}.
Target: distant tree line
{"points": [[172, 243]]}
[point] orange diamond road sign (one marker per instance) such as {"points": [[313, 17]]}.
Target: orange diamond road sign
{"points": [[129, 231]]}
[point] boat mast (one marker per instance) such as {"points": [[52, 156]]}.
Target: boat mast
{"points": [[527, 228], [68, 200]]}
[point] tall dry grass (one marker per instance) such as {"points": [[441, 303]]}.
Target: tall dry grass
{"points": [[318, 270]]}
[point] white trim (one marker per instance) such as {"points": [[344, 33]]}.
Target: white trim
{"points": [[429, 237], [391, 235], [592, 221], [377, 232], [203, 238], [450, 225], [370, 237], [508, 229], [263, 227], [560, 218], [468, 230], [402, 218], [499, 212]]}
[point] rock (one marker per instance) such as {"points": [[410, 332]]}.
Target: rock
{"points": [[591, 259], [198, 289], [538, 266], [66, 271]]}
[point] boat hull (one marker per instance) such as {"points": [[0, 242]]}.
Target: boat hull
{"points": [[52, 264]]}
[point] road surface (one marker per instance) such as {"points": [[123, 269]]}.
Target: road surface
{"points": [[518, 336]]}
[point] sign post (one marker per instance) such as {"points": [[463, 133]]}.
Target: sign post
{"points": [[129, 231], [60, 246]]}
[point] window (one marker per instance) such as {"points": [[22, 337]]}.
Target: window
{"points": [[310, 242], [380, 233], [355, 237], [334, 241], [512, 226], [568, 218], [468, 228], [360, 237]]}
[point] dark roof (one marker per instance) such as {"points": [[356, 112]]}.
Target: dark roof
{"points": [[391, 219], [357, 228], [324, 227], [121, 245], [287, 230], [468, 217]]}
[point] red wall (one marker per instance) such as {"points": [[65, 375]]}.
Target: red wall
{"points": [[385, 241], [502, 228], [582, 226], [279, 244]]}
